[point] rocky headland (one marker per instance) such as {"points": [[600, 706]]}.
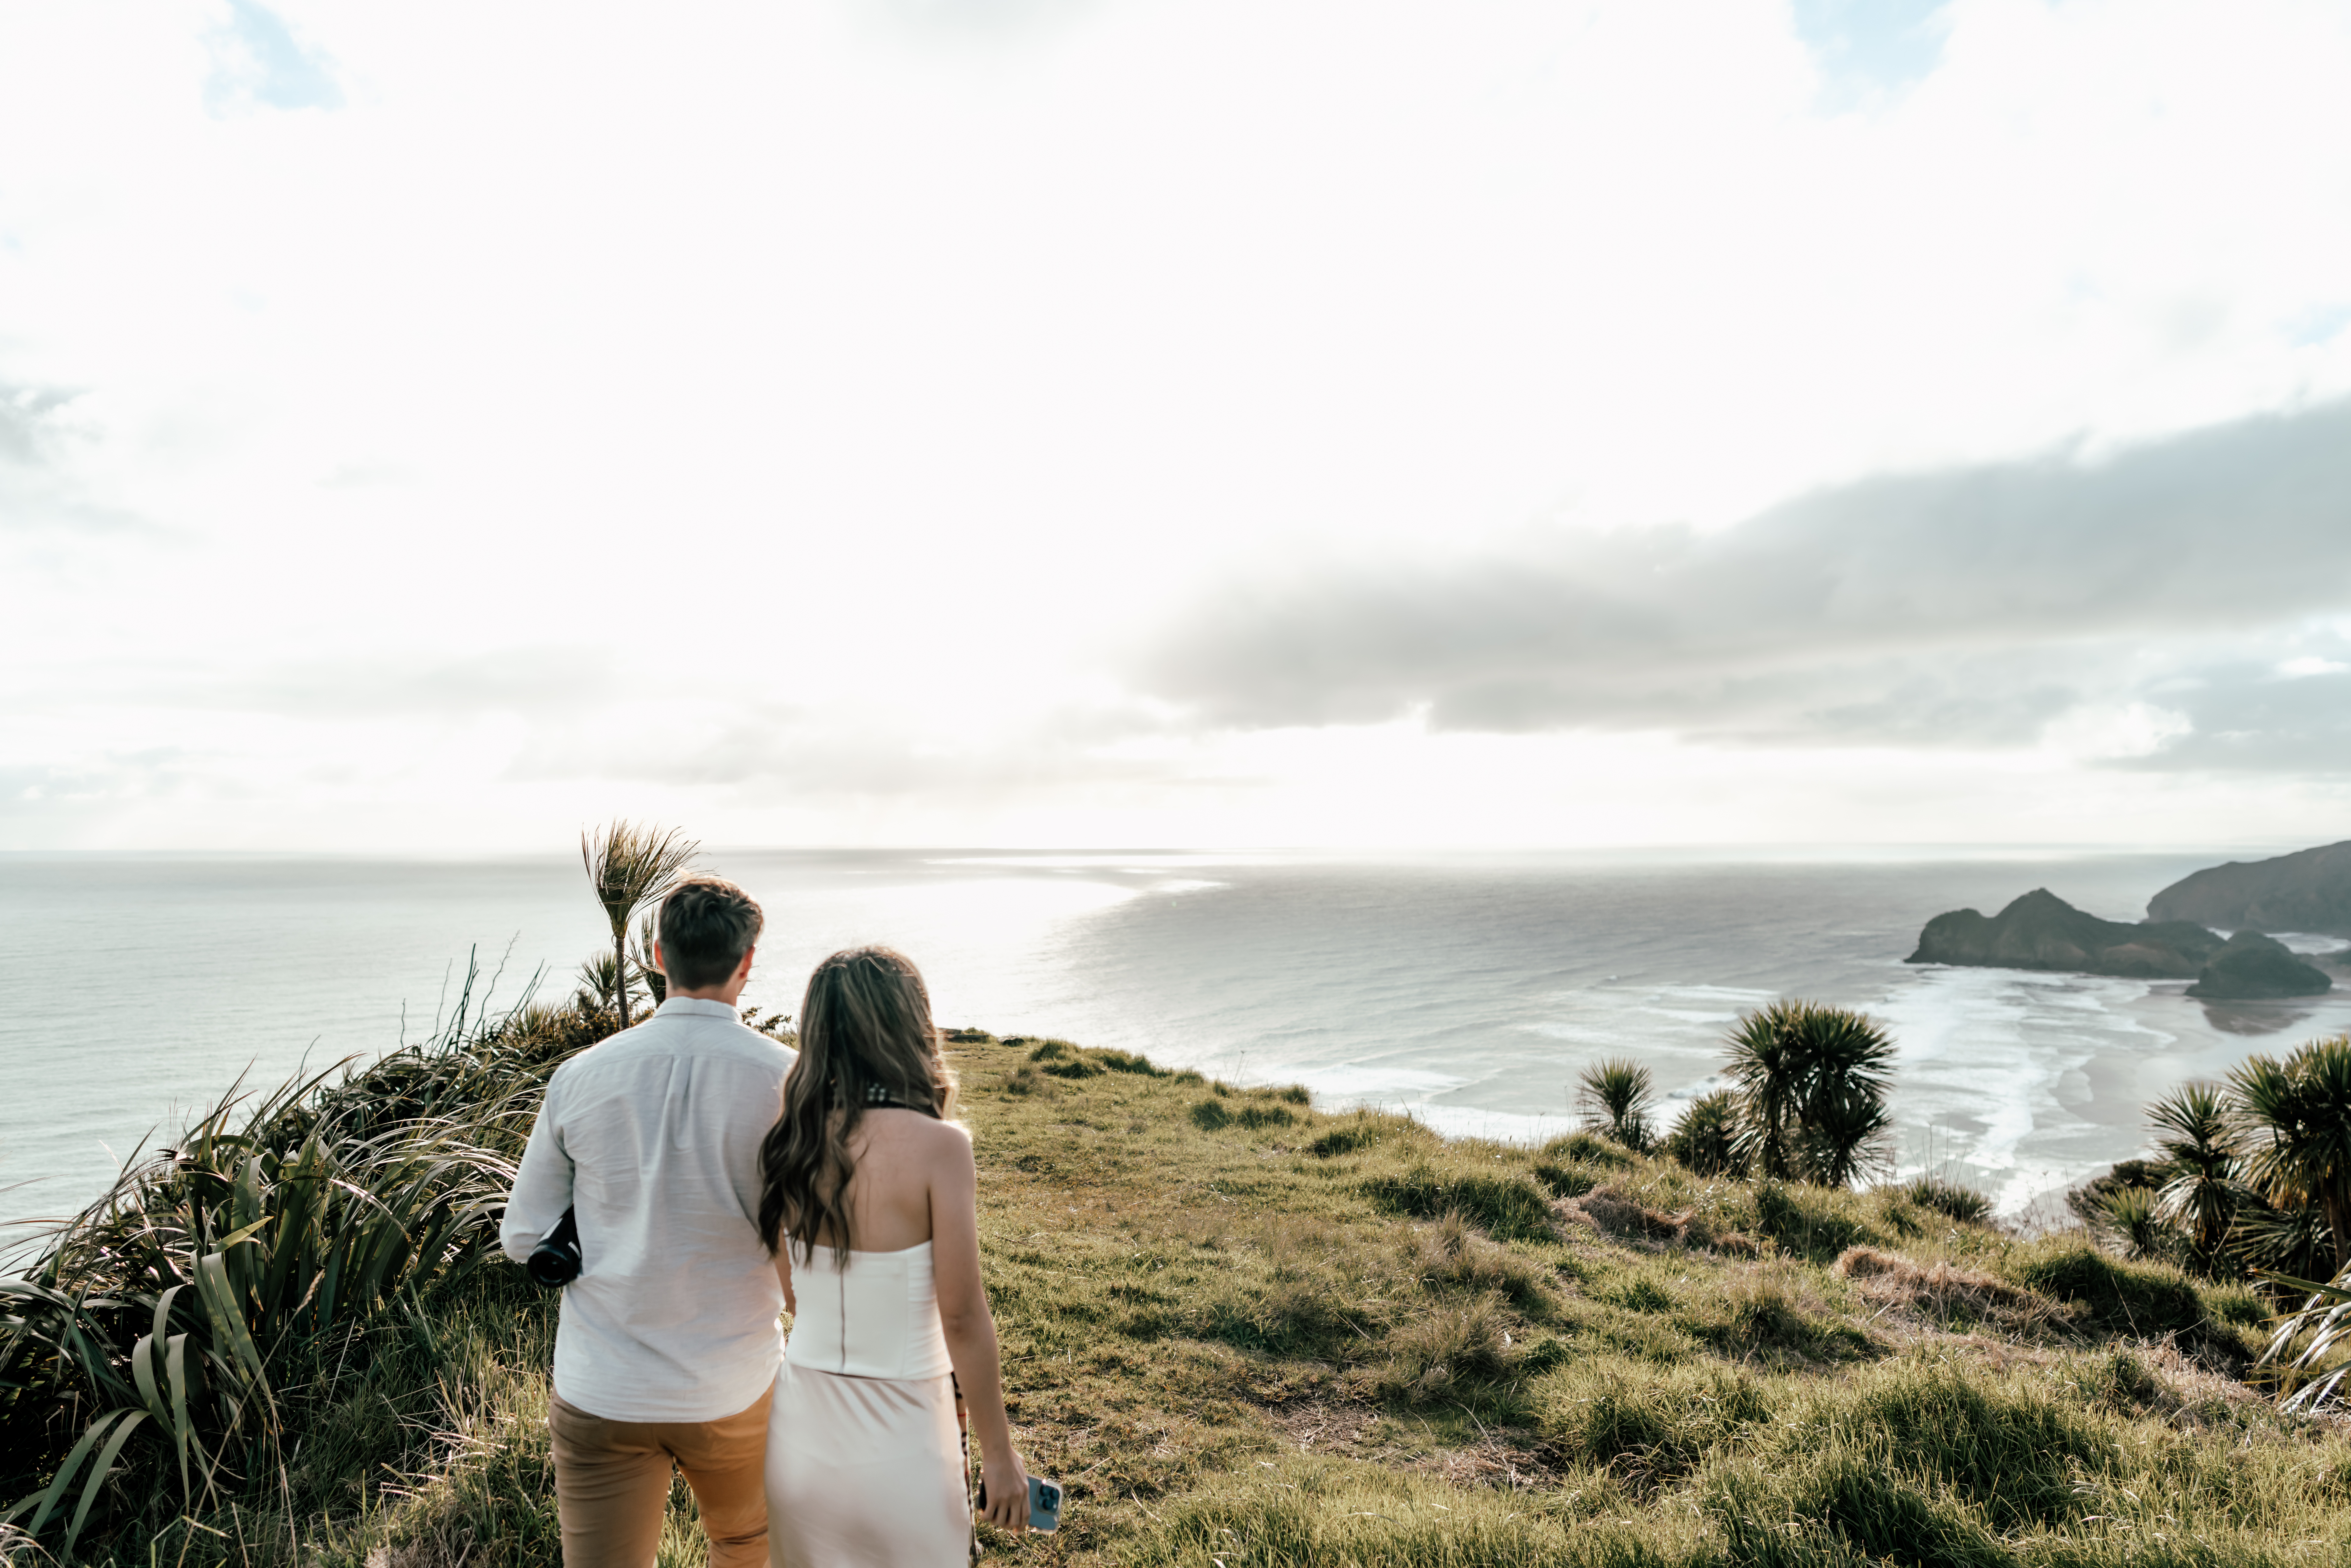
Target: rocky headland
{"points": [[2253, 968], [2041, 931], [2309, 890]]}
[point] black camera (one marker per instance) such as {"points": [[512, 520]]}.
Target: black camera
{"points": [[556, 1259]]}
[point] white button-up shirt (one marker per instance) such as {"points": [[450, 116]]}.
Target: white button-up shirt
{"points": [[652, 1138]]}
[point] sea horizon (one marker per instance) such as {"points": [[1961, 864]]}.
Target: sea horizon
{"points": [[1465, 986]]}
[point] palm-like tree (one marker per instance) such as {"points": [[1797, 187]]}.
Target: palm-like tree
{"points": [[1844, 1129], [1613, 1098], [2134, 1216], [649, 932], [1812, 1082], [2198, 1135], [599, 989], [1707, 1138], [2297, 1116], [629, 866]]}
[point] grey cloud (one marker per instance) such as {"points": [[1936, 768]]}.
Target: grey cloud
{"points": [[1964, 606], [770, 751], [2249, 718], [37, 490], [536, 680]]}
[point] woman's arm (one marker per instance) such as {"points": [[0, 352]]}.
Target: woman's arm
{"points": [[784, 1275], [970, 1329]]}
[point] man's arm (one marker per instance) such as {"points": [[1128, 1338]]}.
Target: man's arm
{"points": [[542, 1188]]}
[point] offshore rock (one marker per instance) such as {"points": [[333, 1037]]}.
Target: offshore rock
{"points": [[2041, 931], [2254, 967], [2309, 890]]}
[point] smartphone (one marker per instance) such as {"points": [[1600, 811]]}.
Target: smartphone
{"points": [[1044, 1503]]}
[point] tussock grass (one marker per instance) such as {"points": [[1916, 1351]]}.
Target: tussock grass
{"points": [[1261, 1335]]}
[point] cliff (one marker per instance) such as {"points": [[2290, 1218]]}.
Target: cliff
{"points": [[2309, 890], [2254, 967], [2041, 931]]}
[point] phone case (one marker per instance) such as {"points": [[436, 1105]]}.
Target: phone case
{"points": [[1044, 1503]]}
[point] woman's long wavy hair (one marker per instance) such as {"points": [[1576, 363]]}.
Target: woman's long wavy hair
{"points": [[865, 1025]]}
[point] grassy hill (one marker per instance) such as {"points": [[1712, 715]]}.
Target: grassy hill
{"points": [[1245, 1332]]}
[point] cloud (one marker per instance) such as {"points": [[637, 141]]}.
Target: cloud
{"points": [[38, 488], [1973, 605], [1867, 48], [256, 59]]}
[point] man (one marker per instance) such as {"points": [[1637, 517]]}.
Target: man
{"points": [[667, 1347]]}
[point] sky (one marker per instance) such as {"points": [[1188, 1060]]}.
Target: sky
{"points": [[1174, 423]]}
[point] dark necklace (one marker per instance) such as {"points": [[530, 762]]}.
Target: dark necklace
{"points": [[883, 1094]]}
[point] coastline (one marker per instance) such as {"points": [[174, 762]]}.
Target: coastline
{"points": [[1237, 1323]]}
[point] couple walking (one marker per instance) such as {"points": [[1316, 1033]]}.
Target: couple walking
{"points": [[717, 1180]]}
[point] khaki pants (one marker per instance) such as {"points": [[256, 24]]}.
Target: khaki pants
{"points": [[611, 1484]]}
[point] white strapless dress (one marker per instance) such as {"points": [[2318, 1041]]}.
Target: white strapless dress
{"points": [[864, 1464]]}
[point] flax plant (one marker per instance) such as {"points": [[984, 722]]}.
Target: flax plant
{"points": [[148, 1345], [1614, 1099], [628, 867], [2325, 1320]]}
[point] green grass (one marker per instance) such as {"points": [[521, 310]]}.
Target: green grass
{"points": [[1242, 1331]]}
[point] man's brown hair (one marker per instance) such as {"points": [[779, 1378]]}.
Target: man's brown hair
{"points": [[708, 923]]}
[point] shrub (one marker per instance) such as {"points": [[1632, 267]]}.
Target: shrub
{"points": [[1641, 1423], [1353, 1138], [1292, 1314], [2137, 1298], [2238, 1306], [1503, 1206], [1567, 1181], [2131, 1219], [1614, 1099], [1255, 1116], [1210, 1116], [1438, 1347], [1127, 1061], [1587, 1149], [1770, 1313], [2088, 1201], [1705, 1139], [1947, 1199], [1804, 1220], [2014, 1454], [194, 1296], [1450, 1252]]}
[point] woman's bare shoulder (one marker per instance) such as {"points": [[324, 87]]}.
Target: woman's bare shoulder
{"points": [[941, 1145]]}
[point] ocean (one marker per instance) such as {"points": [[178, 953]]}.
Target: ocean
{"points": [[1467, 990]]}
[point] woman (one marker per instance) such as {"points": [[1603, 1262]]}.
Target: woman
{"points": [[870, 1206]]}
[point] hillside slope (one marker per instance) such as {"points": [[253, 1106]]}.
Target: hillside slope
{"points": [[1245, 1332], [2309, 890]]}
